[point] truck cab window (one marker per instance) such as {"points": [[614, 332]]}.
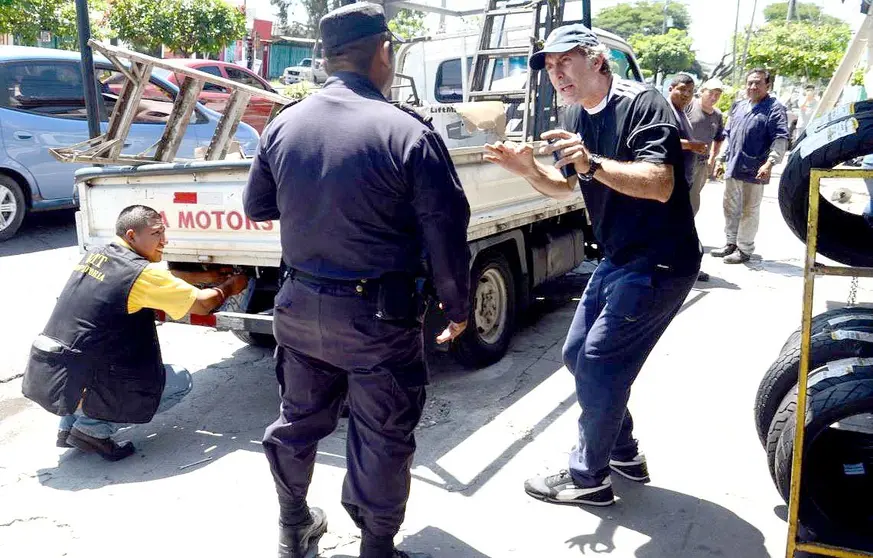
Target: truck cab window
{"points": [[620, 63], [448, 81]]}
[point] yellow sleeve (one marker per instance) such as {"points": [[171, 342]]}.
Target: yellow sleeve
{"points": [[159, 289]]}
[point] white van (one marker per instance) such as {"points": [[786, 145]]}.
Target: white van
{"points": [[433, 65]]}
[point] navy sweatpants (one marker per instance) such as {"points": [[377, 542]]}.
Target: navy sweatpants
{"points": [[332, 346], [622, 314]]}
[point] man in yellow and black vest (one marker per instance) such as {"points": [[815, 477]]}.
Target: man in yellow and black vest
{"points": [[98, 363]]}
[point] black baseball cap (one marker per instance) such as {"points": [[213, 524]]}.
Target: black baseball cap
{"points": [[563, 39], [352, 22]]}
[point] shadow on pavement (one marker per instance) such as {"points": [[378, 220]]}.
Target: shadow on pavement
{"points": [[233, 400], [436, 543], [778, 267], [42, 231], [715, 282], [678, 525], [231, 403]]}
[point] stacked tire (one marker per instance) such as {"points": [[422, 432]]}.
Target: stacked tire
{"points": [[837, 484], [843, 134]]}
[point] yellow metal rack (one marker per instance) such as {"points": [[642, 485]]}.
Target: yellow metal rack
{"points": [[810, 271]]}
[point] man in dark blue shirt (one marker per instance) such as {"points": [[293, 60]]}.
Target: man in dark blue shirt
{"points": [[364, 193], [757, 132], [620, 141]]}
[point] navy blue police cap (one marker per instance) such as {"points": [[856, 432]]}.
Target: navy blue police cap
{"points": [[350, 23], [563, 39]]}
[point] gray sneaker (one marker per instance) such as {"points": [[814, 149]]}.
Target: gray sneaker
{"points": [[562, 489]]}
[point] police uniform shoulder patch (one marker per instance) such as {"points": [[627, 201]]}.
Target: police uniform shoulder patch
{"points": [[410, 110]]}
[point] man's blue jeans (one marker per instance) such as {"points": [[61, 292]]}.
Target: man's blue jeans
{"points": [[177, 387], [622, 314]]}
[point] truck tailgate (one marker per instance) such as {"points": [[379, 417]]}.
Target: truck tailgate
{"points": [[201, 204]]}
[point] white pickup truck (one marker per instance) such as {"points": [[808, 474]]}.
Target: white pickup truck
{"points": [[518, 238]]}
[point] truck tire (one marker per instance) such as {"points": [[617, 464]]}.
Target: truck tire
{"points": [[843, 236], [781, 378], [819, 380], [832, 501], [13, 206], [492, 312], [847, 317], [235, 304]]}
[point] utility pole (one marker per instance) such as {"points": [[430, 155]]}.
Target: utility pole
{"points": [[586, 13], [664, 29], [734, 59], [749, 34], [84, 24]]}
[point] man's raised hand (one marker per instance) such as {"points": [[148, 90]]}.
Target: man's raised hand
{"points": [[517, 158]]}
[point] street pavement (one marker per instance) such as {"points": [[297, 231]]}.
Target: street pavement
{"points": [[199, 485]]}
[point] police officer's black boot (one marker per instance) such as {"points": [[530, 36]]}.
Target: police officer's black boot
{"points": [[379, 547], [301, 540]]}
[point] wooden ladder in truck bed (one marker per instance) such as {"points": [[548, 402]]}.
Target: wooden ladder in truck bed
{"points": [[137, 69]]}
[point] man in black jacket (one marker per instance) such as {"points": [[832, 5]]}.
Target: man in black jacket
{"points": [[98, 362]]}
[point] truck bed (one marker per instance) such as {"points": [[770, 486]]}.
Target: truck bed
{"points": [[202, 206]]}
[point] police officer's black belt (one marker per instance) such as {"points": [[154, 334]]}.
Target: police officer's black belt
{"points": [[296, 273]]}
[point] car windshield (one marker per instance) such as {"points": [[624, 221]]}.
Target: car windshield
{"points": [[306, 62]]}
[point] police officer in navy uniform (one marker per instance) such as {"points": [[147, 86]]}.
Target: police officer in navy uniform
{"points": [[362, 191]]}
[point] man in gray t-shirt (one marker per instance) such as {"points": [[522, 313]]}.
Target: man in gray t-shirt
{"points": [[707, 126]]}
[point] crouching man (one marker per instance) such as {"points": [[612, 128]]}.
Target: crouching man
{"points": [[98, 363]]}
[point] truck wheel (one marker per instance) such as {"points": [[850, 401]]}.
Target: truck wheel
{"points": [[492, 313], [235, 304], [12, 207]]}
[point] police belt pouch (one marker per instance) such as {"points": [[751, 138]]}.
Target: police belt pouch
{"points": [[398, 298]]}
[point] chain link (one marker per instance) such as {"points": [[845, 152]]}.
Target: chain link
{"points": [[853, 291]]}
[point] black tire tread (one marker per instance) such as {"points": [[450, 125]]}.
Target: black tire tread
{"points": [[839, 401], [781, 377], [787, 408], [820, 323], [843, 236]]}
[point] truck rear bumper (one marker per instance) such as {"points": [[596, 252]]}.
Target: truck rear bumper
{"points": [[226, 321]]}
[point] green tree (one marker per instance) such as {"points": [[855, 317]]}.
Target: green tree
{"points": [[202, 26], [26, 18], [643, 18], [799, 50], [805, 11], [315, 10], [664, 53], [408, 24], [141, 23], [185, 26]]}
